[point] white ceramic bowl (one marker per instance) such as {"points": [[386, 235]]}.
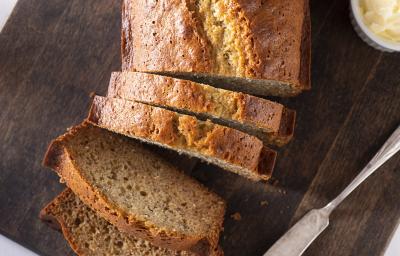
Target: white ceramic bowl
{"points": [[366, 34]]}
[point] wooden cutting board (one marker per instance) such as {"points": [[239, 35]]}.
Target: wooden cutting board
{"points": [[54, 53]]}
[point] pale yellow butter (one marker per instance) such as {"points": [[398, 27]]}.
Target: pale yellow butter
{"points": [[382, 17]]}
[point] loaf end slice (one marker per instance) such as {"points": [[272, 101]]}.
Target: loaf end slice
{"points": [[136, 190], [256, 116], [89, 234], [228, 148]]}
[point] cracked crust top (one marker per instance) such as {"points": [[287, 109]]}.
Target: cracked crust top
{"points": [[273, 38]]}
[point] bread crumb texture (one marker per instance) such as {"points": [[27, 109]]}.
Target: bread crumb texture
{"points": [[89, 234], [137, 190]]}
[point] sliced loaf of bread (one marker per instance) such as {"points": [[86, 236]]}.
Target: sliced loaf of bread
{"points": [[88, 234], [228, 148], [258, 47], [269, 121], [137, 191]]}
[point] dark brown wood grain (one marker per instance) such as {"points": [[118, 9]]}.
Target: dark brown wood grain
{"points": [[54, 53]]}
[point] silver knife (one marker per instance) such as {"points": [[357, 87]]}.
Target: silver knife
{"points": [[308, 228]]}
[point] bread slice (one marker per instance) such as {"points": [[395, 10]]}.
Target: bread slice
{"points": [[88, 234], [269, 121], [228, 148], [260, 47], [136, 190]]}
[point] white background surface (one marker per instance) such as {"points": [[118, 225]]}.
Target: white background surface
{"points": [[6, 7], [9, 248]]}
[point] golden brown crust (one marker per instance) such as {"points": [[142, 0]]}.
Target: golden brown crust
{"points": [[224, 146], [167, 36], [286, 129], [198, 98], [59, 159], [277, 30], [147, 39], [259, 112], [250, 114]]}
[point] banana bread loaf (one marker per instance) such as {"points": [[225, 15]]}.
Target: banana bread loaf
{"points": [[254, 46]]}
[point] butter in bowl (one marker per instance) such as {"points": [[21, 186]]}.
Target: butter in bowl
{"points": [[377, 22]]}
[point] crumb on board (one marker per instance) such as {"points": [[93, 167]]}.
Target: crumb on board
{"points": [[281, 191], [264, 203], [275, 183], [236, 216]]}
